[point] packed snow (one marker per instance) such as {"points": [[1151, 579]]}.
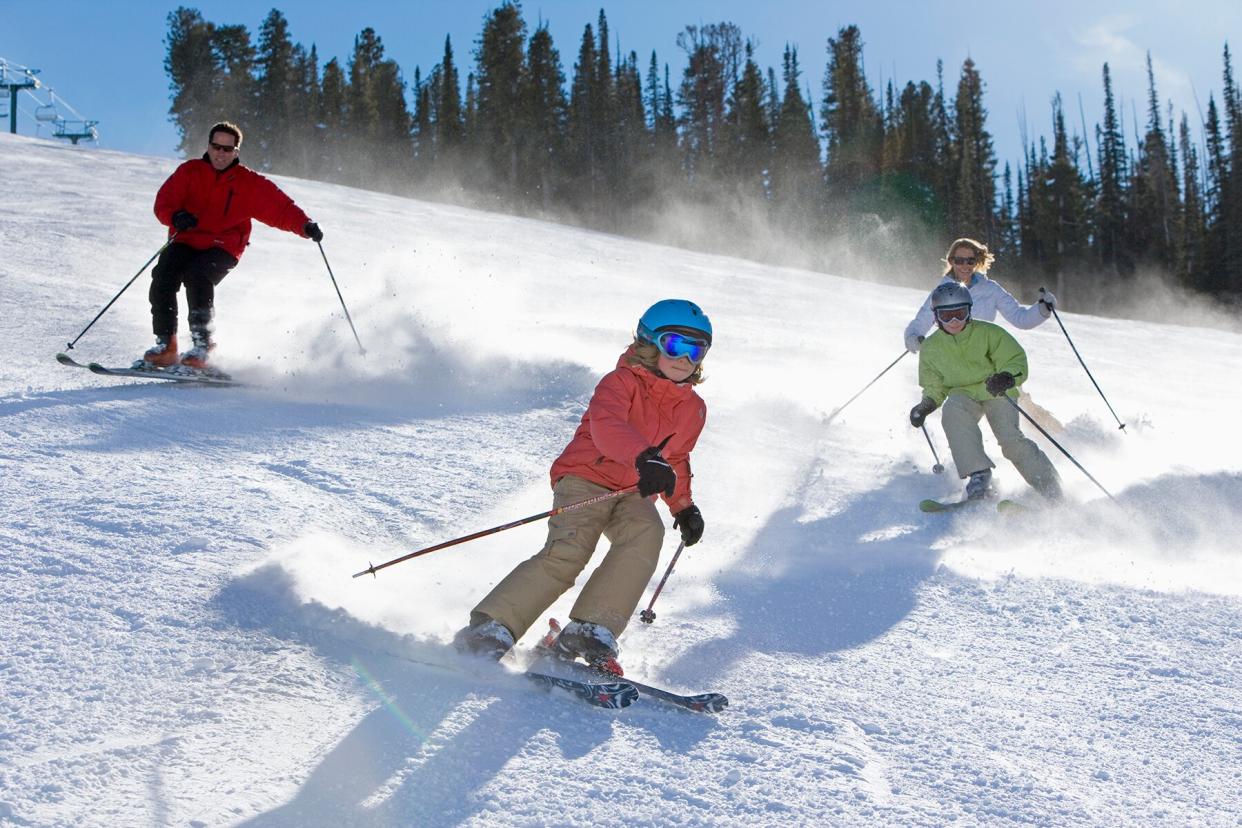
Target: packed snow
{"points": [[182, 642]]}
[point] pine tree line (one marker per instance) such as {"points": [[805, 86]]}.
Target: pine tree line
{"points": [[732, 157]]}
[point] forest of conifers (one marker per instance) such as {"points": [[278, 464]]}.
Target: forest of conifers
{"points": [[723, 155]]}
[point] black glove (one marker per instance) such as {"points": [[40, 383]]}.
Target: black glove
{"points": [[183, 220], [998, 384], [313, 232], [919, 413], [690, 521], [655, 475]]}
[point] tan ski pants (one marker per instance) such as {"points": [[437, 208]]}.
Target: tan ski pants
{"points": [[960, 417], [610, 596]]}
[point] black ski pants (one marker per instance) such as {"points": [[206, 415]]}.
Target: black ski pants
{"points": [[200, 271]]}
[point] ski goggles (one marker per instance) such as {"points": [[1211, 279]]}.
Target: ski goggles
{"points": [[676, 345], [958, 314]]}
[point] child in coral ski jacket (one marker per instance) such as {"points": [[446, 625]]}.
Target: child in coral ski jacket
{"points": [[637, 433]]}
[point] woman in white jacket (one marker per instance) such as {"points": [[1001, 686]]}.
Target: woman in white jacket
{"points": [[967, 262]]}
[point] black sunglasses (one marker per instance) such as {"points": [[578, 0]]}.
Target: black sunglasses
{"points": [[963, 260], [225, 147]]}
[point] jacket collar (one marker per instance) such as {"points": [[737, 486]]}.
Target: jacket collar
{"points": [[654, 381], [233, 164]]}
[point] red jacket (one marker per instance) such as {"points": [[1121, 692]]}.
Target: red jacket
{"points": [[224, 203], [631, 410]]}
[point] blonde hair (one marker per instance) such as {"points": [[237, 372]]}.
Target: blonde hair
{"points": [[644, 353], [983, 259]]}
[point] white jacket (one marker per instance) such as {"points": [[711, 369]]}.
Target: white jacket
{"points": [[988, 299]]}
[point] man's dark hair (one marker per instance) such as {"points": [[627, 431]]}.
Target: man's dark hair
{"points": [[229, 127]]}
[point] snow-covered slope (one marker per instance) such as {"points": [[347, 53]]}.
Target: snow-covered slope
{"points": [[181, 642]]}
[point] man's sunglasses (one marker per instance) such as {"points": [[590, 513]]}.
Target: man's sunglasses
{"points": [[963, 260], [958, 314], [222, 147], [676, 345]]}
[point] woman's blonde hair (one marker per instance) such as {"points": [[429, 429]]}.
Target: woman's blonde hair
{"points": [[644, 353], [983, 259]]}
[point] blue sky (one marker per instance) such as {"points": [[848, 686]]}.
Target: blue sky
{"points": [[106, 59]]}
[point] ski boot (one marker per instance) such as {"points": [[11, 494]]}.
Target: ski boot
{"points": [[979, 484], [196, 357], [484, 636], [593, 643], [163, 354]]}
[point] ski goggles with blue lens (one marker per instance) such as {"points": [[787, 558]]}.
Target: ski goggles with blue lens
{"points": [[676, 345]]}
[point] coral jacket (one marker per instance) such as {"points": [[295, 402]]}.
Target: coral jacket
{"points": [[224, 203], [631, 410]]}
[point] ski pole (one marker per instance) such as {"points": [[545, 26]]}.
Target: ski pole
{"points": [[841, 407], [1052, 440], [372, 569], [122, 290], [936, 469], [648, 615], [1057, 316], [348, 319]]}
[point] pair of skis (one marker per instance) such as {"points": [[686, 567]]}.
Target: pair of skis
{"points": [[177, 373], [600, 686], [1003, 505], [604, 689]]}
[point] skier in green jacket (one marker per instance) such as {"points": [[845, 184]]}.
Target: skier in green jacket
{"points": [[968, 365]]}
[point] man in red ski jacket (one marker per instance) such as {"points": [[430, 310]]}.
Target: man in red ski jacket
{"points": [[208, 204]]}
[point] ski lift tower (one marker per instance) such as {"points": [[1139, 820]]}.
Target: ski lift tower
{"points": [[15, 84]]}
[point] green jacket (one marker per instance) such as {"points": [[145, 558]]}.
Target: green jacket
{"points": [[961, 363]]}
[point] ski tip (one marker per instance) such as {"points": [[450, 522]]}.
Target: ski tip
{"points": [[931, 506], [65, 359]]}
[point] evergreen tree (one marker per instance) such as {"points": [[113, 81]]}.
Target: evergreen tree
{"points": [[1192, 266], [972, 161], [631, 148], [499, 58], [702, 99], [270, 137], [1060, 212], [190, 63], [333, 117], [584, 148], [450, 126], [747, 151], [377, 119], [1214, 279], [1230, 210], [546, 109], [235, 83], [1153, 227], [909, 164], [303, 134], [796, 172], [852, 126], [1110, 207]]}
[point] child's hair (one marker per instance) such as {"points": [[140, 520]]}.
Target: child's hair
{"points": [[647, 355], [983, 259]]}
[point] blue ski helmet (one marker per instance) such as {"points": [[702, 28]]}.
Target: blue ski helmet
{"points": [[674, 314]]}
